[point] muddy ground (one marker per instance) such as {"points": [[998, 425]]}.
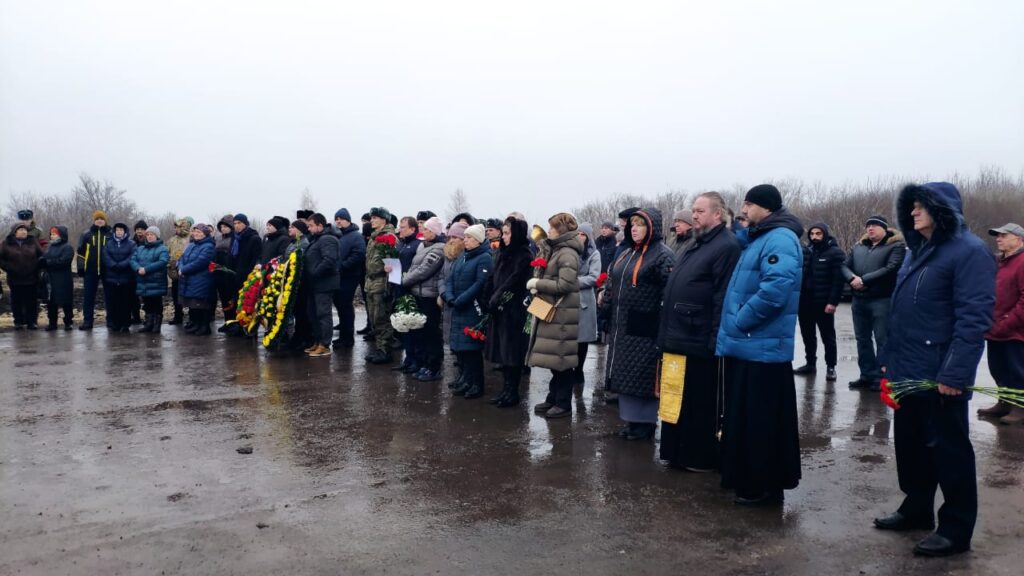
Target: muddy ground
{"points": [[132, 454]]}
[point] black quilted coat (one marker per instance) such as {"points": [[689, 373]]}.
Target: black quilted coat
{"points": [[634, 292]]}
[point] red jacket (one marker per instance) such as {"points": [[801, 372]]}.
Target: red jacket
{"points": [[1008, 314]]}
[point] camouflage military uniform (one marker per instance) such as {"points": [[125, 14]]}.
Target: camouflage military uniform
{"points": [[378, 306]]}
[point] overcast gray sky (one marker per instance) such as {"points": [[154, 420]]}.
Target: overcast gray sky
{"points": [[210, 106]]}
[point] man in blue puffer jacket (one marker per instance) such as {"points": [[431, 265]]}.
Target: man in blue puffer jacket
{"points": [[760, 439], [941, 309]]}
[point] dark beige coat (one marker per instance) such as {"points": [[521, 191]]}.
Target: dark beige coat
{"points": [[553, 344]]}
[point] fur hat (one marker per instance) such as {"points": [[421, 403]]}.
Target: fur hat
{"points": [[99, 215], [380, 212]]}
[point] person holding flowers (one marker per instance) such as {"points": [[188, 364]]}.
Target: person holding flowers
{"points": [[383, 242], [422, 281], [506, 341], [463, 290], [941, 310], [196, 290], [553, 342]]}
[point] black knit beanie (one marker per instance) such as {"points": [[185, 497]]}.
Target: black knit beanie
{"points": [[766, 196]]}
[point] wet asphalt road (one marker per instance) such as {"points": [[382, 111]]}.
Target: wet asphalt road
{"points": [[120, 455]]}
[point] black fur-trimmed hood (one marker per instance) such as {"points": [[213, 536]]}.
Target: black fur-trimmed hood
{"points": [[943, 202]]}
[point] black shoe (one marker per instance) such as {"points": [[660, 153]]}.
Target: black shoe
{"points": [[462, 389], [768, 498], [625, 431], [365, 330], [830, 374], [543, 407], [33, 327], [899, 523], [858, 383], [380, 357], [203, 330], [176, 319], [51, 327], [344, 342], [936, 545], [369, 337], [428, 375], [191, 328], [474, 392], [400, 368], [69, 326], [641, 432], [85, 327], [457, 383], [411, 369], [508, 401], [498, 398], [805, 369]]}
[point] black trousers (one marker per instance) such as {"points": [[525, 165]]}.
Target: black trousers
{"points": [[933, 450], [1006, 362], [120, 299], [321, 320], [472, 366], [153, 305], [428, 342], [52, 309], [343, 303], [812, 315], [560, 389], [24, 305]]}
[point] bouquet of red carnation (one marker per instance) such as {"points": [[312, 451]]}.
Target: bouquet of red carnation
{"points": [[602, 279], [539, 263], [214, 267], [386, 245], [891, 392], [474, 334]]}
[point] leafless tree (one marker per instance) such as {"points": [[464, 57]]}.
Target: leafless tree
{"points": [[457, 204], [307, 201]]}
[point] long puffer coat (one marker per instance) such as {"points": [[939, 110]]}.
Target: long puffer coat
{"points": [[153, 256], [464, 288], [507, 341], [553, 345], [635, 288], [823, 264], [57, 262]]}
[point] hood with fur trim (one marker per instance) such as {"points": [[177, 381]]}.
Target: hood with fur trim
{"points": [[943, 202]]}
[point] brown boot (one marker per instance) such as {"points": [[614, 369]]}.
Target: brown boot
{"points": [[1016, 416], [998, 409]]}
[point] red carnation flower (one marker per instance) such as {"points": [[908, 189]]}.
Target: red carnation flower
{"points": [[602, 279], [212, 266], [539, 263]]}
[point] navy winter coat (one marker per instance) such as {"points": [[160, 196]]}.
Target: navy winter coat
{"points": [[194, 270], [463, 287], [153, 256], [352, 254], [763, 299], [117, 261], [945, 292]]}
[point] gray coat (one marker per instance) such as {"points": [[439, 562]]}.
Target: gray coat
{"points": [[590, 269], [425, 276], [553, 344]]}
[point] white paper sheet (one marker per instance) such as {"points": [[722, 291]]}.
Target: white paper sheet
{"points": [[395, 277]]}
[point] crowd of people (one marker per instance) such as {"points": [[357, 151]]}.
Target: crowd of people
{"points": [[723, 293]]}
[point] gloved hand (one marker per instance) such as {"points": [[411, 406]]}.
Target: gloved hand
{"points": [[531, 284]]}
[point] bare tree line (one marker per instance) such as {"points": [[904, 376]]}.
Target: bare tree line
{"points": [[991, 198]]}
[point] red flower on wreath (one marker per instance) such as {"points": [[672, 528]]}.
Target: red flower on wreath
{"points": [[602, 279], [539, 263]]}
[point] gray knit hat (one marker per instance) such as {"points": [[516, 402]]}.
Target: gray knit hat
{"points": [[154, 231]]}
